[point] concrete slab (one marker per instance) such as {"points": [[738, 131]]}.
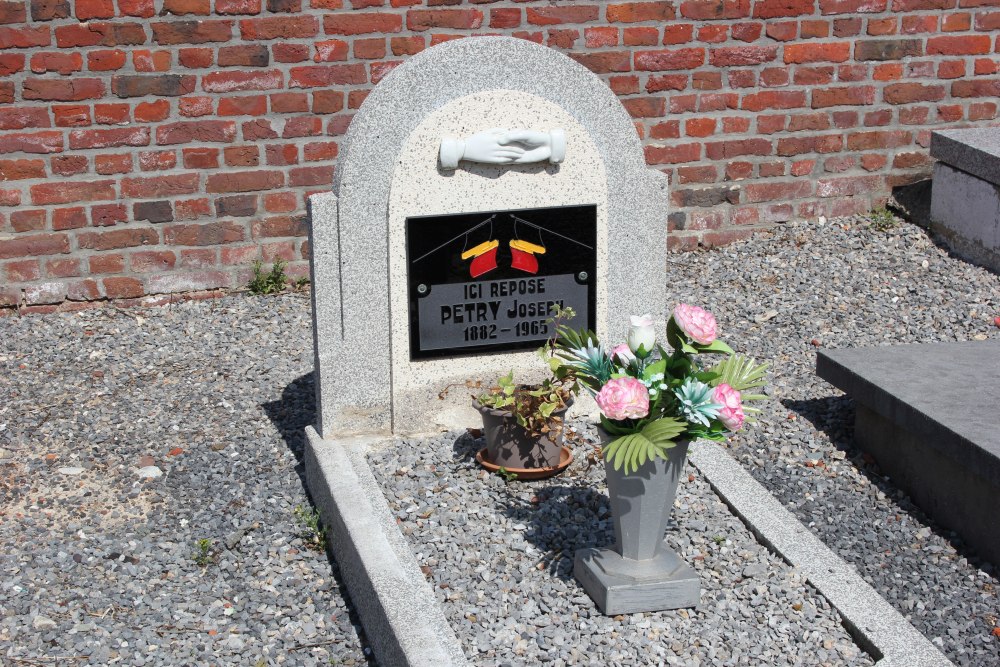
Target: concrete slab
{"points": [[402, 620], [927, 413], [975, 151], [881, 630]]}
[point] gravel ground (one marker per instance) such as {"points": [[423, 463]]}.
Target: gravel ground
{"points": [[100, 562], [500, 559], [847, 284], [128, 437]]}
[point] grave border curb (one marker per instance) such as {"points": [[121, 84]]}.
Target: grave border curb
{"points": [[873, 623], [403, 623]]}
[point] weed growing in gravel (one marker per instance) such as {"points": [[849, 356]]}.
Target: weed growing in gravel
{"points": [[268, 283], [507, 475], [300, 283], [719, 539], [313, 534], [203, 556], [882, 219]]}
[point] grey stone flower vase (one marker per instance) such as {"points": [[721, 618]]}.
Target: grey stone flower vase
{"points": [[641, 573]]}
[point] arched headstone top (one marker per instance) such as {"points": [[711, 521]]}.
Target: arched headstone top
{"points": [[371, 377]]}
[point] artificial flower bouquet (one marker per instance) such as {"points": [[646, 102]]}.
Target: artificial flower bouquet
{"points": [[650, 398]]}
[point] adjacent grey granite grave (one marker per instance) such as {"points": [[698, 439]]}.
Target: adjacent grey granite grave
{"points": [[398, 164], [928, 414], [965, 195]]}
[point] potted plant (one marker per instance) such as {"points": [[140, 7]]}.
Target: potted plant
{"points": [[523, 426], [653, 403]]}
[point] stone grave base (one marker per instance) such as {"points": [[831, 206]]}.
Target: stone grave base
{"points": [[624, 586]]}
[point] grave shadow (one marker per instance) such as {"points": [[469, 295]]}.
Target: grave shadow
{"points": [[834, 416], [295, 410]]}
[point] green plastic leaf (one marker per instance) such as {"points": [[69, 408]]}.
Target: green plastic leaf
{"points": [[716, 346], [741, 373], [663, 431], [654, 368]]}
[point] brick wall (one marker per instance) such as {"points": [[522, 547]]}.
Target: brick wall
{"points": [[152, 147]]}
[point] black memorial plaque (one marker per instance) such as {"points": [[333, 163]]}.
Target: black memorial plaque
{"points": [[486, 282]]}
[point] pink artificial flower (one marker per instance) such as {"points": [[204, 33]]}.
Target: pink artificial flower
{"points": [[624, 398], [623, 354], [731, 415], [697, 323]]}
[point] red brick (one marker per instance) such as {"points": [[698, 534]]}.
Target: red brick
{"points": [[237, 6], [369, 49], [280, 202], [200, 130], [11, 63], [145, 60], [111, 114], [699, 127], [956, 22], [670, 129], [37, 142], [63, 63], [112, 164], [604, 62], [34, 245], [707, 10], [640, 36], [120, 238], [105, 61], [853, 96], [878, 139], [852, 6], [678, 34], [724, 150], [94, 9], [13, 11], [784, 31], [63, 90], [152, 112], [735, 125], [455, 19], [675, 59], [361, 24], [746, 32], [636, 12], [713, 34], [877, 27], [847, 27], [68, 218], [107, 215], [191, 209], [69, 165], [303, 176], [206, 234], [814, 29], [769, 9], [314, 76], [28, 221], [563, 14], [107, 263], [195, 57], [154, 187], [122, 287], [706, 80], [22, 271], [19, 118], [24, 37], [127, 136], [907, 93], [756, 193], [244, 181], [849, 186], [990, 88], [280, 226], [959, 45], [63, 268], [191, 32], [100, 34], [227, 82], [280, 27], [160, 85], [157, 160], [988, 21], [921, 5], [771, 124], [645, 107], [72, 191], [381, 70], [738, 56], [562, 39], [17, 170], [331, 50], [186, 7], [836, 52], [151, 261], [672, 154], [785, 99]]}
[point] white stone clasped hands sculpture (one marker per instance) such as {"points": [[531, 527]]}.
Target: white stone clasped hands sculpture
{"points": [[502, 146]]}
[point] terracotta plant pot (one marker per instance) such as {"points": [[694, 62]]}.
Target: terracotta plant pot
{"points": [[508, 445]]}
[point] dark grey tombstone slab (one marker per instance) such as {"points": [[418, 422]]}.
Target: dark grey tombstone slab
{"points": [[930, 416], [965, 193]]}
